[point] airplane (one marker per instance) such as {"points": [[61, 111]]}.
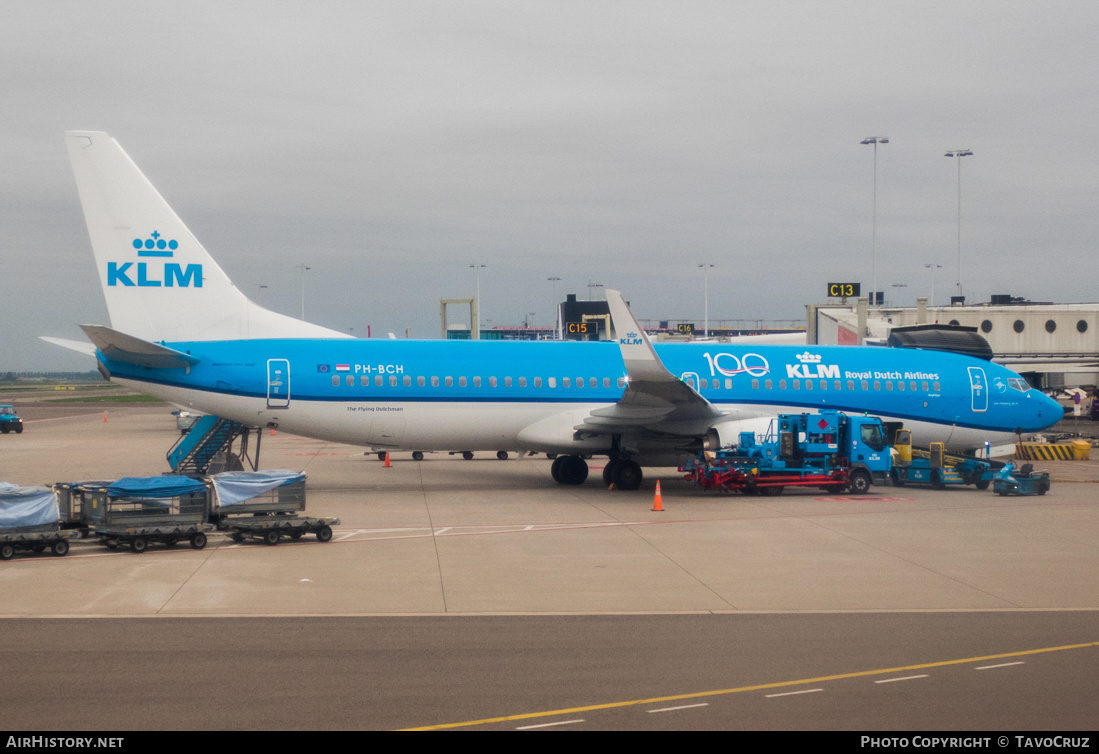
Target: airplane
{"points": [[181, 331]]}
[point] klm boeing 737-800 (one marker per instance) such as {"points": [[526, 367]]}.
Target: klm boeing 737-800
{"points": [[181, 331]]}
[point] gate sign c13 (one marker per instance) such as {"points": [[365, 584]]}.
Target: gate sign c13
{"points": [[844, 290]]}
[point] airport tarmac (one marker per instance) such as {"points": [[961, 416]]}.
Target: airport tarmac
{"points": [[498, 540]]}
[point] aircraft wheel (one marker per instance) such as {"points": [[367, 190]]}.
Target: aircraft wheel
{"points": [[859, 483], [467, 454], [417, 456], [573, 470], [555, 469], [628, 475], [608, 471], [502, 455], [381, 455]]}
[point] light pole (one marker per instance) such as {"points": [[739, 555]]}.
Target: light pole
{"points": [[477, 324], [959, 153], [593, 285], [932, 268], [897, 293], [875, 140], [303, 268], [554, 303], [706, 296]]}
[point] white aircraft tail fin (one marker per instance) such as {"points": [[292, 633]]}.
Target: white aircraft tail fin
{"points": [[159, 282]]}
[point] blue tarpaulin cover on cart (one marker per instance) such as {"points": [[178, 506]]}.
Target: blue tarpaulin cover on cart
{"points": [[27, 506], [154, 487], [238, 486]]}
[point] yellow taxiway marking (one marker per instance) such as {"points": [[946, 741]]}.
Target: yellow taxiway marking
{"points": [[741, 689]]}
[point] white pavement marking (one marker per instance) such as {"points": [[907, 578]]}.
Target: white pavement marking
{"points": [[547, 725], [792, 693], [1001, 665], [906, 678], [673, 709]]}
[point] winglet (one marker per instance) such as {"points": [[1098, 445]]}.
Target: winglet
{"points": [[638, 353]]}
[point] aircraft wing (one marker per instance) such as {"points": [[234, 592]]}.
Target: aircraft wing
{"points": [[656, 402]]}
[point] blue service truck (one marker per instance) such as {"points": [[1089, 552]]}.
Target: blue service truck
{"points": [[9, 420], [937, 468], [829, 449]]}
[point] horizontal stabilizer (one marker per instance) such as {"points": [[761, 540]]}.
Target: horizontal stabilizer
{"points": [[73, 345], [119, 346]]}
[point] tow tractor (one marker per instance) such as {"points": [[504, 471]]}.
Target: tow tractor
{"points": [[9, 420], [936, 467], [830, 450]]}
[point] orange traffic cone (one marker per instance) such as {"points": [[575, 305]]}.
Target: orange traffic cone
{"points": [[104, 417], [272, 431], [387, 463], [658, 502]]}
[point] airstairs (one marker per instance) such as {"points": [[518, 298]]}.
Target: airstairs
{"points": [[208, 447]]}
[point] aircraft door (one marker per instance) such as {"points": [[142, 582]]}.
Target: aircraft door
{"points": [[978, 386], [278, 383]]}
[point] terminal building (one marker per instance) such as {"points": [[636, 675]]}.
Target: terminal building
{"points": [[1053, 345]]}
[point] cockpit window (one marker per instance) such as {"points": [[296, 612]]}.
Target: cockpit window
{"points": [[1018, 383]]}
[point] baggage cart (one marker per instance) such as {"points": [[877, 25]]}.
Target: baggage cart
{"points": [[136, 511], [29, 520], [265, 505]]}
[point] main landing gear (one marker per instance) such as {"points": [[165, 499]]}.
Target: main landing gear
{"points": [[623, 473]]}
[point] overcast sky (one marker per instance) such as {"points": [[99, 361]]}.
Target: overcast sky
{"points": [[389, 146]]}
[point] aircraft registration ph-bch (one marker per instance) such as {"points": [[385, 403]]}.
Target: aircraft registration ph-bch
{"points": [[181, 331]]}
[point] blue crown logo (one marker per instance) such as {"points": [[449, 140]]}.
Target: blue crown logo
{"points": [[155, 246]]}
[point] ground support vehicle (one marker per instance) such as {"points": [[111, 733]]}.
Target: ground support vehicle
{"points": [[1022, 481], [9, 420], [937, 468], [830, 450], [29, 520], [136, 511], [265, 505]]}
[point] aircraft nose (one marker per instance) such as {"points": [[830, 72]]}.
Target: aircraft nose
{"points": [[1047, 411]]}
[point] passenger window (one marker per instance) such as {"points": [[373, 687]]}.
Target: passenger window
{"points": [[476, 382], [851, 385], [621, 382], [729, 384], [378, 381], [522, 382], [434, 382], [889, 386], [551, 382], [797, 384], [808, 384], [492, 382], [565, 382], [703, 384], [449, 382], [824, 384], [936, 386], [364, 380], [782, 384], [755, 384], [838, 385], [507, 382], [900, 385], [538, 382], [393, 381], [923, 386], [350, 380], [769, 385], [877, 384], [606, 382], [335, 380], [407, 381], [865, 385], [420, 382], [593, 382]]}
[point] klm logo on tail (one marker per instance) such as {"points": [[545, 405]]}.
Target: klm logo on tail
{"points": [[168, 275]]}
